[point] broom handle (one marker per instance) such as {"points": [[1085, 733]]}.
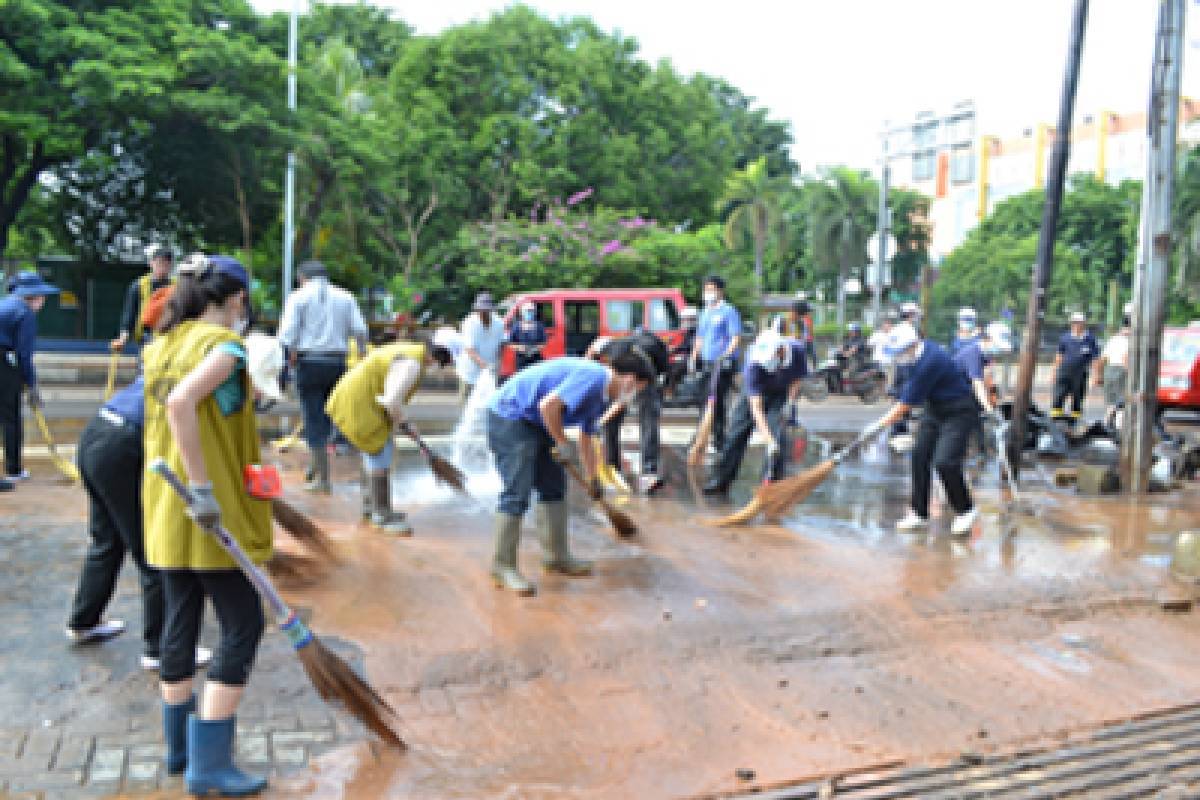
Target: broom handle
{"points": [[424, 448], [261, 582], [864, 437]]}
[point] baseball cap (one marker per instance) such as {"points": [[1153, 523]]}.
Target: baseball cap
{"points": [[1078, 316]]}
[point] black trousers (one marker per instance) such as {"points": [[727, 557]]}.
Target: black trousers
{"points": [[316, 376], [942, 439], [110, 461], [741, 427], [649, 414], [721, 382], [522, 453], [239, 614], [11, 384], [1069, 386]]}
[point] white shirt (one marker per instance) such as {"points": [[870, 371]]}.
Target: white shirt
{"points": [[485, 341], [1116, 351], [877, 342]]}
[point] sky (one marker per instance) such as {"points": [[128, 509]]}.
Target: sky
{"points": [[839, 71]]}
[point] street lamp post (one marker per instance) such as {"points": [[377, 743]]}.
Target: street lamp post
{"points": [[289, 183]]}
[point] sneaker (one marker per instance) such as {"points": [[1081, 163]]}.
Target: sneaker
{"points": [[23, 475], [911, 521], [203, 659], [964, 521], [100, 633]]}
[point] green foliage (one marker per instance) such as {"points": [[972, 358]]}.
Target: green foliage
{"points": [[750, 205]]}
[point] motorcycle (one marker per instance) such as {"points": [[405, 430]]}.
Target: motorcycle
{"points": [[866, 380]]}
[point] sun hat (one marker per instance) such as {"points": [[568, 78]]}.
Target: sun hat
{"points": [[30, 284]]}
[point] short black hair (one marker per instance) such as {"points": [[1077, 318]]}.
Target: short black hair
{"points": [[633, 363], [715, 280], [441, 355], [162, 251]]}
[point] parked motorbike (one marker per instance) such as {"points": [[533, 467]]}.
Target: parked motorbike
{"points": [[866, 380]]}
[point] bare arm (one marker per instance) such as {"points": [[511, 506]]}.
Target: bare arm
{"points": [[760, 421], [733, 346], [551, 409], [181, 410], [894, 415], [981, 394], [587, 455]]}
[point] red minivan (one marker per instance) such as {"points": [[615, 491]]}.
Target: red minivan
{"points": [[575, 317]]}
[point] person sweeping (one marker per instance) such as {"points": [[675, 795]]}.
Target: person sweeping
{"points": [[527, 421], [950, 415], [367, 404], [27, 293], [199, 419]]}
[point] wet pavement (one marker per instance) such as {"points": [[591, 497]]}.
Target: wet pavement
{"points": [[699, 661]]}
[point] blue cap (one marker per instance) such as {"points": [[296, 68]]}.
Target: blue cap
{"points": [[228, 265], [30, 284]]}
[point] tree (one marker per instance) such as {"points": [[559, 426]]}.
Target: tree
{"points": [[842, 210], [751, 205]]}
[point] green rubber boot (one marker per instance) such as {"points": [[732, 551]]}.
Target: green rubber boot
{"points": [[382, 515], [556, 554], [320, 470], [504, 565]]}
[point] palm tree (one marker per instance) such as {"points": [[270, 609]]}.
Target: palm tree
{"points": [[841, 218], [750, 204]]}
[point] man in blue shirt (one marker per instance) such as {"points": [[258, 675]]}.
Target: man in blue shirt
{"points": [[526, 335], [27, 293], [527, 421], [1077, 348], [717, 338], [949, 416], [771, 380]]}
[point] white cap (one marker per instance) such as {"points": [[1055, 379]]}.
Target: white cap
{"points": [[1078, 316], [910, 308], [1001, 337], [765, 347], [450, 339], [264, 362], [901, 337], [966, 312]]}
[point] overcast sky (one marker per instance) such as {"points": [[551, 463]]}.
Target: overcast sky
{"points": [[838, 70]]}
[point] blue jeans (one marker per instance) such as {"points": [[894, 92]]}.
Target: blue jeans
{"points": [[522, 452], [374, 463]]}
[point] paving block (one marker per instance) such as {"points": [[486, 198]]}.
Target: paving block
{"points": [[253, 748], [40, 747], [74, 752], [289, 755], [142, 772], [108, 764], [48, 784], [302, 737], [147, 752], [1095, 479], [10, 743]]}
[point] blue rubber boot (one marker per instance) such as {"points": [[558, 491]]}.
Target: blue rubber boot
{"points": [[210, 760], [175, 719]]}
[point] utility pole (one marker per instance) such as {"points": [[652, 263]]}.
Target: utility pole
{"points": [[884, 227], [289, 182], [1044, 266], [1154, 249]]}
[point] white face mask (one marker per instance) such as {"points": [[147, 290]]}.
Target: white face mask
{"points": [[529, 313], [711, 298]]}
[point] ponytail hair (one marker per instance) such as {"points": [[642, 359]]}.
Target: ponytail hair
{"points": [[194, 292]]}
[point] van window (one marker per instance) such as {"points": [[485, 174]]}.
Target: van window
{"points": [[583, 325], [663, 316], [623, 315]]}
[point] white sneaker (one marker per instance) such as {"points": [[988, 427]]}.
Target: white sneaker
{"points": [[911, 522], [203, 659], [103, 632], [964, 521]]}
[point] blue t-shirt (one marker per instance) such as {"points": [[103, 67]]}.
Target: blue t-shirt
{"points": [[231, 394], [959, 342], [718, 325], [579, 383], [757, 381], [1077, 353], [527, 332], [935, 378], [130, 402], [970, 359], [18, 333]]}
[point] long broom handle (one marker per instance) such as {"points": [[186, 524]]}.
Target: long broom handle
{"points": [[408, 431], [867, 435], [257, 577]]}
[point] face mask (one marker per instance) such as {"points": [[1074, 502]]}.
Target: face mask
{"points": [[711, 298], [241, 326], [529, 313]]}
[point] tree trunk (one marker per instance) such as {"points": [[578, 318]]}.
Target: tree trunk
{"points": [[12, 200], [243, 208], [312, 211]]}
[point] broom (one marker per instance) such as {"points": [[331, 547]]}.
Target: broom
{"points": [[111, 385], [622, 523], [302, 528], [285, 443], [332, 677], [69, 470], [778, 496], [442, 469]]}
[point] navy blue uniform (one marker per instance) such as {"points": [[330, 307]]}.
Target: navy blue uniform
{"points": [[951, 413], [18, 335], [1070, 382], [527, 332]]}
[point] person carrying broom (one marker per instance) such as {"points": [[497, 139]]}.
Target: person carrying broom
{"points": [[199, 419], [771, 380], [950, 415], [527, 421], [368, 402]]}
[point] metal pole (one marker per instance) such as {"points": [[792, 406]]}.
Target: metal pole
{"points": [[1044, 266], [1154, 251], [884, 227], [289, 183]]}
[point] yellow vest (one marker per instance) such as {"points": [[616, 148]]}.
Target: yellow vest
{"points": [[229, 443], [353, 407]]}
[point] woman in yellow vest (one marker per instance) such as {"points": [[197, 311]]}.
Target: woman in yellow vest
{"points": [[200, 418], [367, 403]]}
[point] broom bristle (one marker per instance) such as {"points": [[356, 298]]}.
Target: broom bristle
{"points": [[336, 682], [782, 495], [742, 515], [301, 527], [622, 523], [447, 473], [294, 571]]}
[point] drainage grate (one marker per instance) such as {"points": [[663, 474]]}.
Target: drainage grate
{"points": [[1153, 756]]}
